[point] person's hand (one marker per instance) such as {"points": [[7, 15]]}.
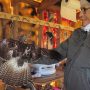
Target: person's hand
{"points": [[55, 55]]}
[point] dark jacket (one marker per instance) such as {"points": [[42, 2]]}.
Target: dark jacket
{"points": [[77, 51]]}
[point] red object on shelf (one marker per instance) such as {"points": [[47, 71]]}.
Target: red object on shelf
{"points": [[54, 31]]}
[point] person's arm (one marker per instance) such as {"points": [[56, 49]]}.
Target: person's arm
{"points": [[60, 52]]}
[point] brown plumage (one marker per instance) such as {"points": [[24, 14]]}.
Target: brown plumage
{"points": [[12, 73]]}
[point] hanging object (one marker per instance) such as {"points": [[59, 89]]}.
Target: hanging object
{"points": [[68, 9], [50, 36], [12, 26], [45, 29], [39, 1]]}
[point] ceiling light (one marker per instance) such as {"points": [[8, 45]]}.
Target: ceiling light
{"points": [[39, 1]]}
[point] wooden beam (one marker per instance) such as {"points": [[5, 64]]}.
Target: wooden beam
{"points": [[33, 21]]}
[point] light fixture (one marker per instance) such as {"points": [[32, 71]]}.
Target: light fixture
{"points": [[39, 1]]}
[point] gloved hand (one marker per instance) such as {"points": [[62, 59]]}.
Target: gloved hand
{"points": [[52, 54], [55, 55]]}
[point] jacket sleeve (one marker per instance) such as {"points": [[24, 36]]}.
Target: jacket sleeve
{"points": [[61, 51]]}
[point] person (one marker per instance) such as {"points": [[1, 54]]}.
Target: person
{"points": [[77, 51]]}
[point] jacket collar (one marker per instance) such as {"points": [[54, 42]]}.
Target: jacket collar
{"points": [[86, 28]]}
